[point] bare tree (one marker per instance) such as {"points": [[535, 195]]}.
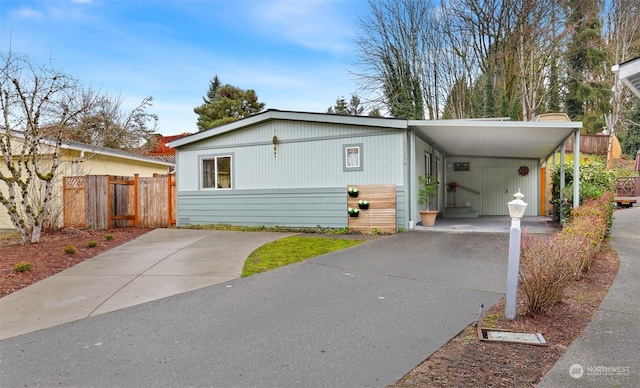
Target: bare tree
{"points": [[38, 103], [107, 124], [393, 46], [623, 39], [539, 37]]}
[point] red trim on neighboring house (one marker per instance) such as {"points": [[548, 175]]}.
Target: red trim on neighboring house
{"points": [[161, 148]]}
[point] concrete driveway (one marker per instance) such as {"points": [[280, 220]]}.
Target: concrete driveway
{"points": [[363, 316], [161, 263]]}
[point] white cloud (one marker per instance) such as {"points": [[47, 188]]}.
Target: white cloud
{"points": [[27, 13], [316, 24]]}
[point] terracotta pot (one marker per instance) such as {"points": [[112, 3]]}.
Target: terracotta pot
{"points": [[428, 217]]}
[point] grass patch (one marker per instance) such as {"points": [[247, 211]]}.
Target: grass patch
{"points": [[291, 250], [240, 228]]}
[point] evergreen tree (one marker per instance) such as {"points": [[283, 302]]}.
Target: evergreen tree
{"points": [[588, 91], [489, 97], [214, 84], [226, 103], [353, 108]]}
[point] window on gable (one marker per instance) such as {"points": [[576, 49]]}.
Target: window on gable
{"points": [[352, 157], [216, 172]]}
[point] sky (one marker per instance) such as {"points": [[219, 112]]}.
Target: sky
{"points": [[296, 54]]}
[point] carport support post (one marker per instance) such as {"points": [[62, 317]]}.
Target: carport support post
{"points": [[517, 208]]}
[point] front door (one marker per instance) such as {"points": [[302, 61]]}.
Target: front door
{"points": [[495, 191]]}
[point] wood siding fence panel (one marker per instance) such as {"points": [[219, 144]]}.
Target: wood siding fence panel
{"points": [[121, 201], [590, 144], [111, 201], [153, 202], [97, 202], [74, 208], [381, 214]]}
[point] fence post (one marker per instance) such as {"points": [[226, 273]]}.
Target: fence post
{"points": [[135, 200], [169, 210], [109, 209]]}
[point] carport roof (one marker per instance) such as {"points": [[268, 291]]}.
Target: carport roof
{"points": [[496, 138], [465, 137]]}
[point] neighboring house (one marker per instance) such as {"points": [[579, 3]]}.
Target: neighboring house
{"points": [[161, 149], [84, 159], [293, 168], [629, 73]]}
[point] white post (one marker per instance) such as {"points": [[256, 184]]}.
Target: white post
{"points": [[517, 208], [513, 268]]}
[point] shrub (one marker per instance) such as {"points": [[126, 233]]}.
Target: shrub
{"points": [[70, 249], [595, 181], [22, 266], [108, 237], [92, 244], [544, 273], [548, 265]]}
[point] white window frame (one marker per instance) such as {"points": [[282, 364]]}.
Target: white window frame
{"points": [[215, 158], [347, 163]]}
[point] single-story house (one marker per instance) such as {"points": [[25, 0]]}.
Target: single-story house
{"points": [[84, 159], [629, 73], [294, 168]]}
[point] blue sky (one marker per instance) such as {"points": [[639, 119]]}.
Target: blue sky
{"points": [[296, 54]]}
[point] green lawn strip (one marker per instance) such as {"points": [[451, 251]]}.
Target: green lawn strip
{"points": [[291, 250]]}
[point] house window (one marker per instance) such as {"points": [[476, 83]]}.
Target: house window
{"points": [[216, 172], [352, 157]]}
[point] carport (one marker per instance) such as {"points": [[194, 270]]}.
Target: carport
{"points": [[502, 139]]}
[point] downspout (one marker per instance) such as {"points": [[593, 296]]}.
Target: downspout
{"points": [[412, 174], [562, 151], [576, 170], [74, 164]]}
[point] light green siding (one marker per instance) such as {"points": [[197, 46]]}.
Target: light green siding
{"points": [[326, 207], [300, 183], [496, 180], [307, 155]]}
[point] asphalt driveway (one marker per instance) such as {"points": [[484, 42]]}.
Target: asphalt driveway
{"points": [[363, 316]]}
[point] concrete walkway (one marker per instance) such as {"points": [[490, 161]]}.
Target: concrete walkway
{"points": [[362, 316], [161, 263], [608, 353]]}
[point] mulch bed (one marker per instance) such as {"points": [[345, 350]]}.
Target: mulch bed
{"points": [[48, 256], [465, 361]]}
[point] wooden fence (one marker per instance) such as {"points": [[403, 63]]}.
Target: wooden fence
{"points": [[105, 201], [595, 144], [381, 212]]}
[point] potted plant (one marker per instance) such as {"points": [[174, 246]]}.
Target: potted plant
{"points": [[428, 189], [362, 204], [353, 192], [353, 212]]}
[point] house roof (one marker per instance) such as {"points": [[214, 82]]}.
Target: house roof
{"points": [[468, 137], [629, 73], [78, 146], [274, 114]]}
